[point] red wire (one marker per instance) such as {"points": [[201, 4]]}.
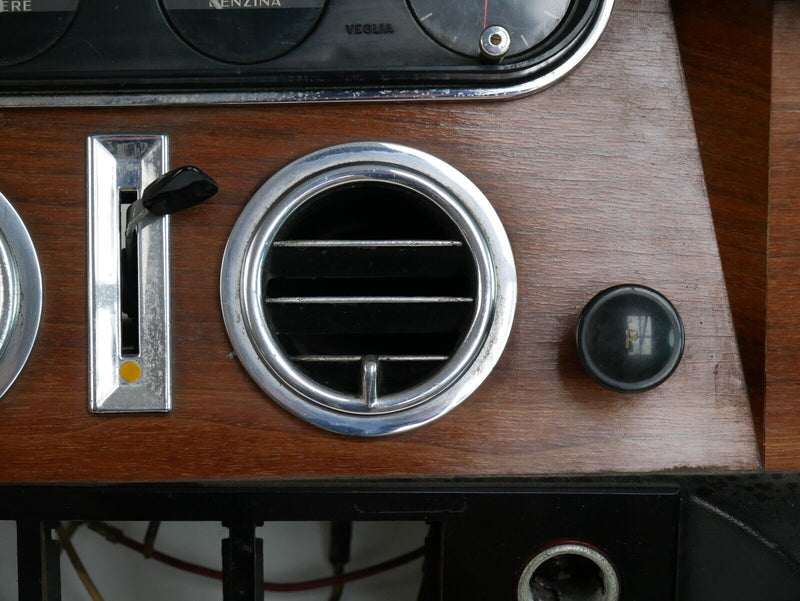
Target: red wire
{"points": [[348, 577], [172, 561], [281, 586]]}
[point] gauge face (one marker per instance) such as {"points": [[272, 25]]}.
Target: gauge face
{"points": [[459, 24], [29, 27], [244, 31]]}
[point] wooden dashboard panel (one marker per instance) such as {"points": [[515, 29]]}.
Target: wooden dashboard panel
{"points": [[782, 416], [598, 182], [727, 57]]}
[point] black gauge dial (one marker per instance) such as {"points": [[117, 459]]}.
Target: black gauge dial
{"points": [[460, 24], [29, 27], [244, 31]]}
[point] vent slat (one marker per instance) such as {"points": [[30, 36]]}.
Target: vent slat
{"points": [[441, 286], [347, 376], [359, 358], [367, 244], [368, 300], [367, 261], [359, 345], [382, 318]]}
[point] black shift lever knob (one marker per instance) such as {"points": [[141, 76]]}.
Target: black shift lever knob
{"points": [[179, 189], [174, 191]]}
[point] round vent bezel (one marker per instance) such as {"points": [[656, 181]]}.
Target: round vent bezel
{"points": [[309, 177], [22, 295]]}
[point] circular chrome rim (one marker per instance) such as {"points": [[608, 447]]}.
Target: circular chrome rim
{"points": [[609, 572], [9, 293], [289, 189], [21, 304]]}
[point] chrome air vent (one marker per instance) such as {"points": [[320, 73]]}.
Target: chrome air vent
{"points": [[370, 280], [368, 288], [20, 295]]}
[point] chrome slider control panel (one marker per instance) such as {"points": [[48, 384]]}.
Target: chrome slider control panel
{"points": [[130, 199], [129, 349]]}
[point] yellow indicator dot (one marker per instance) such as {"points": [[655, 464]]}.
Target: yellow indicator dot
{"points": [[130, 371]]}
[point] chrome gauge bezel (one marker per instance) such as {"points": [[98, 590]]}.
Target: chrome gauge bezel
{"points": [[21, 305], [272, 369]]}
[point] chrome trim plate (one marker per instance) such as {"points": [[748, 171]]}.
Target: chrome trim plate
{"points": [[127, 162], [243, 299], [20, 295]]}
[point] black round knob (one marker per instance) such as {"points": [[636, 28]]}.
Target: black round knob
{"points": [[630, 338]]}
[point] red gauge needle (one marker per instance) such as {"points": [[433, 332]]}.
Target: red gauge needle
{"points": [[485, 12]]}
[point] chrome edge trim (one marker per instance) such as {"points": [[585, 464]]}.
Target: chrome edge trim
{"points": [[272, 370], [611, 579], [28, 295], [537, 84], [9, 293], [127, 162]]}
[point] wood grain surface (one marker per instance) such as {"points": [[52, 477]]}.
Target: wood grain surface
{"points": [[782, 417], [727, 57], [598, 181]]}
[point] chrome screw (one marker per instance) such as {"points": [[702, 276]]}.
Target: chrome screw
{"points": [[495, 42]]}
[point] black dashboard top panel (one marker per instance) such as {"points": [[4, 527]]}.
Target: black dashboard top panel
{"points": [[243, 31], [96, 52], [31, 27]]}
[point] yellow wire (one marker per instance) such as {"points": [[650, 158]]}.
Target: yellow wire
{"points": [[72, 554]]}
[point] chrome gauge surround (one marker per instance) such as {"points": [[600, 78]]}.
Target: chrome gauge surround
{"points": [[20, 295], [243, 305]]}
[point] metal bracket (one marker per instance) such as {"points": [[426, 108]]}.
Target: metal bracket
{"points": [[242, 563], [121, 380], [38, 566]]}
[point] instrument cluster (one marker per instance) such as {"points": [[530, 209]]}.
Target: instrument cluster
{"points": [[167, 51]]}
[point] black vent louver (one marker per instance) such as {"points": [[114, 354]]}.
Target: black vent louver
{"points": [[369, 272]]}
